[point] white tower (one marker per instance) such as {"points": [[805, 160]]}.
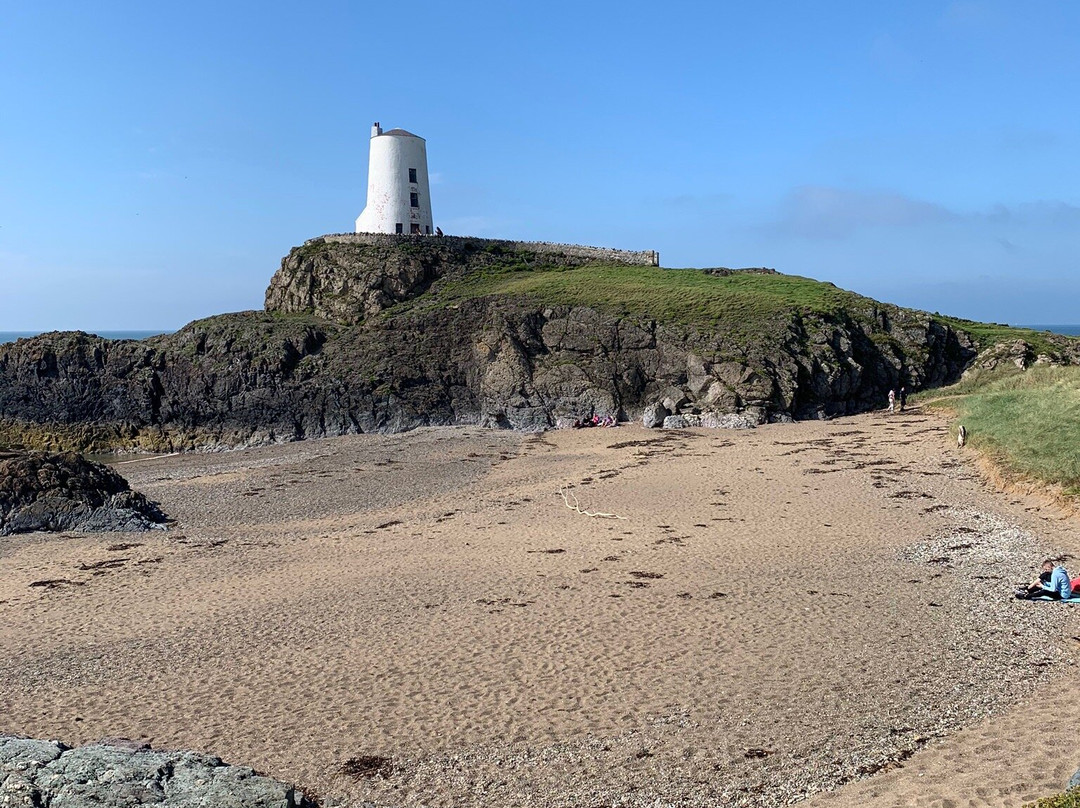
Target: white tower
{"points": [[398, 197]]}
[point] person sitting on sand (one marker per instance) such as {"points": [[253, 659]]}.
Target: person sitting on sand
{"points": [[1053, 582]]}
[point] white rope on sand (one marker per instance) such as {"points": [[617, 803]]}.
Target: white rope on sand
{"points": [[576, 507]]}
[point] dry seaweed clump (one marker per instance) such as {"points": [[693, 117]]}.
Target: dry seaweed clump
{"points": [[365, 766]]}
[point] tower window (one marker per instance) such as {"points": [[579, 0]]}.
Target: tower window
{"points": [[412, 175], [414, 229], [414, 200], [399, 228]]}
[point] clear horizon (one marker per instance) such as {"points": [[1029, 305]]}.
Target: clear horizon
{"points": [[922, 155]]}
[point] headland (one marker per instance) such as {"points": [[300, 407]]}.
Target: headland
{"points": [[370, 333]]}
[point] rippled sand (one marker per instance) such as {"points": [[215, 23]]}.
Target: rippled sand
{"points": [[765, 620]]}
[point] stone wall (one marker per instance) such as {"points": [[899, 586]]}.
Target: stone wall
{"points": [[647, 258]]}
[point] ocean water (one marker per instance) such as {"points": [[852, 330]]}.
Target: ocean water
{"points": [[1067, 330], [11, 336]]}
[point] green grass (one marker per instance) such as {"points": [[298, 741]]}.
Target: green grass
{"points": [[685, 296], [1029, 422]]}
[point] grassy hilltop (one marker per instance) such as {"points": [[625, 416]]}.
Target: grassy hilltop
{"points": [[695, 297], [684, 296]]}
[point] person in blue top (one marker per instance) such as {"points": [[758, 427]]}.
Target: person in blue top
{"points": [[1053, 582]]}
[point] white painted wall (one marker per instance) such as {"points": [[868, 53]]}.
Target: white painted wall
{"points": [[391, 156]]}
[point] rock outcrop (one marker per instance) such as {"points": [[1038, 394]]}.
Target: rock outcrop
{"points": [[40, 491], [350, 277], [1021, 354], [120, 774], [384, 334]]}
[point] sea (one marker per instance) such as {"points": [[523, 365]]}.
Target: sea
{"points": [[1067, 330], [11, 336]]}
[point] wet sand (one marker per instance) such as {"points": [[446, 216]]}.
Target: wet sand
{"points": [[808, 611]]}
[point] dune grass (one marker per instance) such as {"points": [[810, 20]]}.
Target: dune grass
{"points": [[1028, 422]]}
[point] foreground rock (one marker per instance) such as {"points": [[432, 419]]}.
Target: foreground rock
{"points": [[48, 773], [40, 491]]}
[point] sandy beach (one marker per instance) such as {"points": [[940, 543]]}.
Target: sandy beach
{"points": [[816, 611]]}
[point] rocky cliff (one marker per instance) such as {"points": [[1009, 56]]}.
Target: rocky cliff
{"points": [[390, 333]]}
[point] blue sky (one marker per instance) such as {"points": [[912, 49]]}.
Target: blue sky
{"points": [[158, 160]]}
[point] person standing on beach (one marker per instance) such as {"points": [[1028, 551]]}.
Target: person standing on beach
{"points": [[903, 398], [1053, 582], [892, 400]]}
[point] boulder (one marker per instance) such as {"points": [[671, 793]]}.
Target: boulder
{"points": [[111, 775], [41, 491], [654, 415]]}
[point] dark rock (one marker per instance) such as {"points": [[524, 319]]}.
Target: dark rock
{"points": [[40, 773], [40, 491]]}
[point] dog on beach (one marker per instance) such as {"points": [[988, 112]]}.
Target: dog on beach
{"points": [[961, 437]]}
